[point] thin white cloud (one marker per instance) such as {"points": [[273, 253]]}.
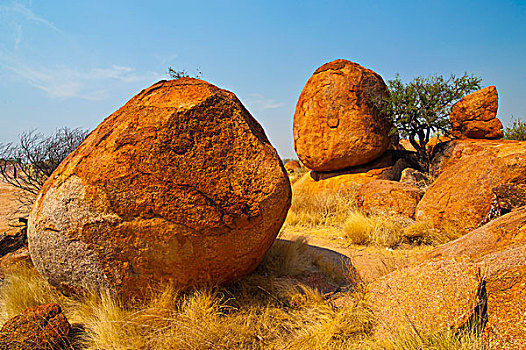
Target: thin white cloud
{"points": [[56, 80], [66, 82], [258, 101], [16, 8]]}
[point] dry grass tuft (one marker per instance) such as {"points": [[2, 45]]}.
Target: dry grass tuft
{"points": [[325, 208], [22, 288], [385, 231], [266, 310]]}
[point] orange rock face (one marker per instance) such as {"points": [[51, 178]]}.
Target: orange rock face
{"points": [[462, 196], [499, 248], [180, 184], [336, 123], [474, 116], [389, 197], [432, 296], [349, 180], [36, 328]]}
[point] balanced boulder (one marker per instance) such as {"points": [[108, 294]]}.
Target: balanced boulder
{"points": [[337, 123], [474, 116], [179, 185]]}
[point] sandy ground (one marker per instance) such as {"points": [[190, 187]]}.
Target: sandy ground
{"points": [[370, 262], [10, 209]]}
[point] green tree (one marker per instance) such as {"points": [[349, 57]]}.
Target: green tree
{"points": [[517, 131], [420, 109]]}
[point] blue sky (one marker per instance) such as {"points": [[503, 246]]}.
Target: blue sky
{"points": [[73, 63]]}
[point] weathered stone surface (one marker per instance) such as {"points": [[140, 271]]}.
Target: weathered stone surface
{"points": [[12, 259], [179, 184], [499, 248], [414, 177], [41, 327], [427, 297], [474, 116], [292, 165], [506, 326], [462, 195], [337, 123], [389, 197], [510, 196], [348, 180], [496, 235]]}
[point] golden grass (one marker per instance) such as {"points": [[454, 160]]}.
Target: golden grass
{"points": [[362, 228], [320, 209], [266, 310]]}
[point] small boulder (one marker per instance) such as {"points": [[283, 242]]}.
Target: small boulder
{"points": [[180, 185], [426, 298], [389, 197], [337, 123], [474, 116], [462, 196], [292, 166], [41, 327]]}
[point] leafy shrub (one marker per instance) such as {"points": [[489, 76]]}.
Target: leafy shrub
{"points": [[517, 131]]}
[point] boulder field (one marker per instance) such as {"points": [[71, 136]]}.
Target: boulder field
{"points": [[337, 123], [180, 184]]}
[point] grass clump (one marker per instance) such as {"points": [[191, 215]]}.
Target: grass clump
{"points": [[391, 232], [269, 309], [320, 209]]}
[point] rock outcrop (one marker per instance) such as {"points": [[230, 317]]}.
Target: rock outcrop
{"points": [[337, 123], [351, 179], [463, 195], [180, 184], [41, 327], [499, 248], [474, 116], [389, 198], [426, 298]]}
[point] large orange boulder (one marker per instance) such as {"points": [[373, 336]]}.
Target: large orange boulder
{"points": [[180, 184], [463, 194], [337, 123], [41, 327], [499, 248], [474, 116], [425, 298], [389, 197]]}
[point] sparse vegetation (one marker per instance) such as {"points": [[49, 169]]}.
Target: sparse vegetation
{"points": [[421, 108], [325, 208], [178, 74], [29, 163], [266, 310], [517, 130]]}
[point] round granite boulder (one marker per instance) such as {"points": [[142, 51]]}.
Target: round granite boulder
{"points": [[180, 184], [337, 123]]}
